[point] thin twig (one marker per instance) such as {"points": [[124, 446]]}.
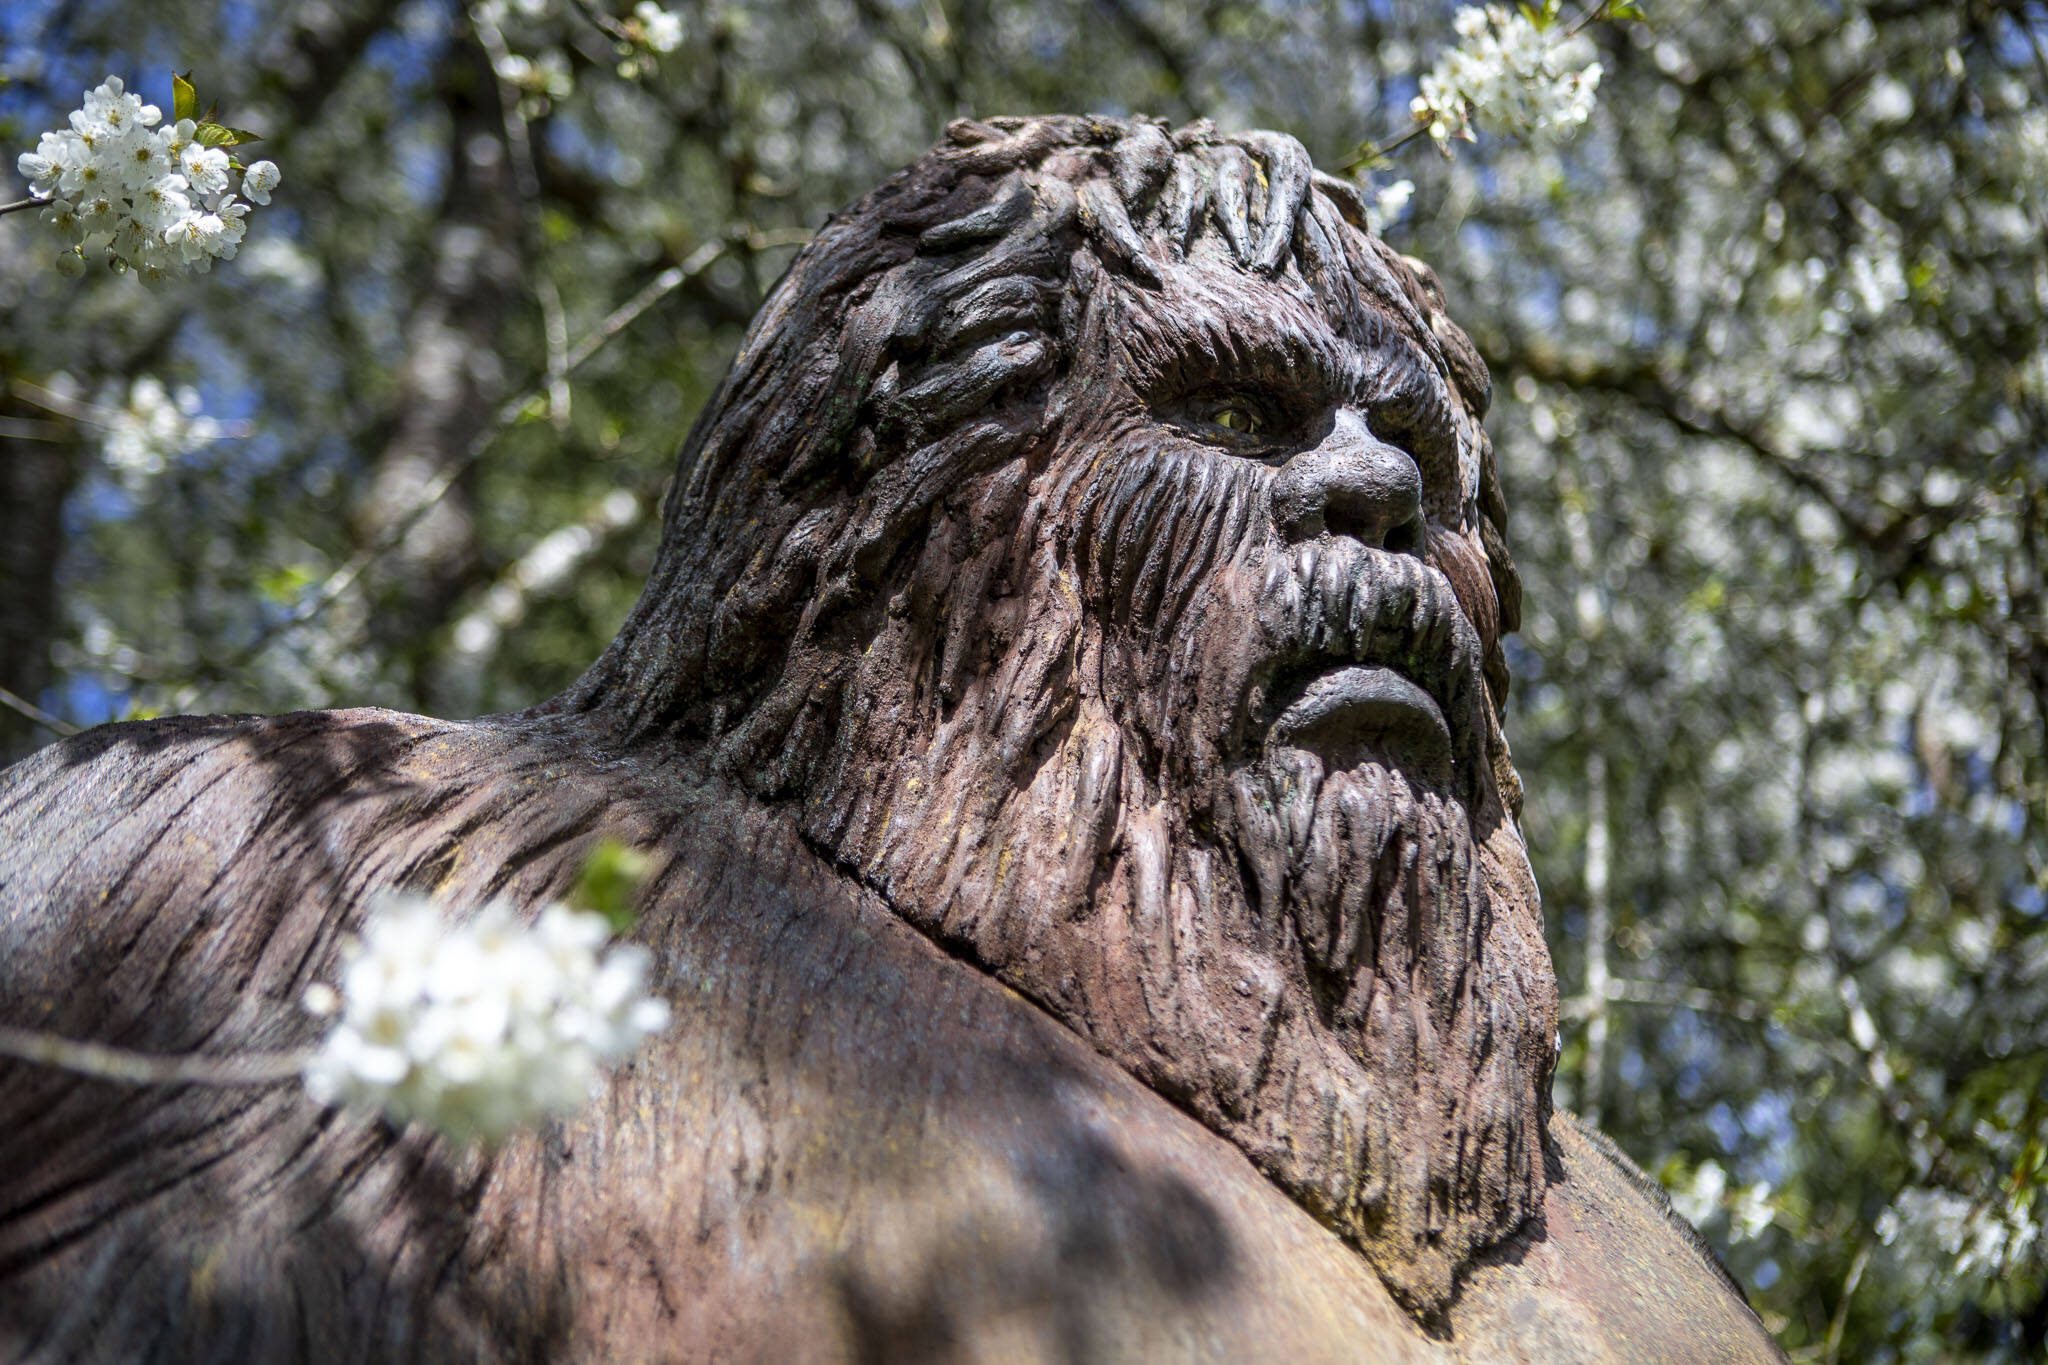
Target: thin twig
{"points": [[669, 280], [1840, 1320], [95, 414], [604, 23], [33, 429], [343, 578], [36, 713], [1592, 13], [149, 1068], [1372, 151], [18, 205], [1623, 991], [1599, 927], [526, 178]]}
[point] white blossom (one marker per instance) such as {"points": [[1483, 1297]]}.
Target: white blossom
{"points": [[178, 136], [161, 206], [480, 1028], [61, 218], [141, 196], [154, 426], [1699, 1199], [1510, 75], [258, 182], [660, 30], [55, 154], [234, 225], [111, 111], [85, 173], [140, 160], [1388, 203], [205, 167]]}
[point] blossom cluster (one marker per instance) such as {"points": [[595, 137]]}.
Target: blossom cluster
{"points": [[479, 1028], [1512, 75], [651, 31], [659, 30], [148, 196], [1707, 1194], [1970, 1241], [156, 425]]}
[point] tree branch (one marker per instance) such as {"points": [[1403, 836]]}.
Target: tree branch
{"points": [[526, 178], [29, 710], [148, 1068]]}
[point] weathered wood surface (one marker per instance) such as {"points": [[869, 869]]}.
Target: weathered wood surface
{"points": [[1064, 715], [851, 1146]]}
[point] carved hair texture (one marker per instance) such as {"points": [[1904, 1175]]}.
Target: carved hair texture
{"points": [[920, 341], [1047, 489]]}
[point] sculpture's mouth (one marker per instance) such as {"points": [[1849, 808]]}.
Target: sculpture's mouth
{"points": [[1385, 668], [1352, 709]]}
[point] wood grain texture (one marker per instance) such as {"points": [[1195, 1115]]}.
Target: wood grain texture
{"points": [[1085, 868], [851, 1146]]}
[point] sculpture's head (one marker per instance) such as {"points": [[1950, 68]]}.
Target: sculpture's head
{"points": [[1097, 541]]}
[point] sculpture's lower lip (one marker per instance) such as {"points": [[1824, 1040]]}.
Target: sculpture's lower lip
{"points": [[1360, 704]]}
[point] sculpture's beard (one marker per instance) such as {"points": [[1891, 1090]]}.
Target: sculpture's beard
{"points": [[1334, 964], [1407, 1109]]}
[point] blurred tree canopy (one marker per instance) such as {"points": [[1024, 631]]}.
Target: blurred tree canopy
{"points": [[1770, 348]]}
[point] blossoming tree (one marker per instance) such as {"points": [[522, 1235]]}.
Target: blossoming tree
{"points": [[1767, 337]]}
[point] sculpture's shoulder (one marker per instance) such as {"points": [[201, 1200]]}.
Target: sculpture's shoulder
{"points": [[120, 808], [1611, 1273], [131, 848]]}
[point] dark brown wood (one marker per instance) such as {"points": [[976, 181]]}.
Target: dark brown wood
{"points": [[1085, 862]]}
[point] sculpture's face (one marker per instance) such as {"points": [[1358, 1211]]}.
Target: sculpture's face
{"points": [[1103, 568], [1277, 528]]}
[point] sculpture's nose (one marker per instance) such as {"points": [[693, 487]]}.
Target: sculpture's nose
{"points": [[1351, 483]]}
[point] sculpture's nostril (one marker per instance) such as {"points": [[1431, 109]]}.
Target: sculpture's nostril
{"points": [[1392, 524], [1405, 539]]}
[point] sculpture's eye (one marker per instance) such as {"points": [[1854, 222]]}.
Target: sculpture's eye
{"points": [[1239, 419], [1252, 424]]}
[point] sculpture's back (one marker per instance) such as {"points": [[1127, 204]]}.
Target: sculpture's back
{"points": [[1064, 718]]}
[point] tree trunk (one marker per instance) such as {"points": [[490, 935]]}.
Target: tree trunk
{"points": [[35, 478]]}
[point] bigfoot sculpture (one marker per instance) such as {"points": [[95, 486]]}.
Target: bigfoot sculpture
{"points": [[1064, 716]]}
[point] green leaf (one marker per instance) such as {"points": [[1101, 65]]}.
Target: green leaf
{"points": [[283, 586], [1621, 10], [609, 881], [184, 97], [211, 134]]}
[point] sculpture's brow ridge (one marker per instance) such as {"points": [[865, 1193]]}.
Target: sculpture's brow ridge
{"points": [[1297, 349]]}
